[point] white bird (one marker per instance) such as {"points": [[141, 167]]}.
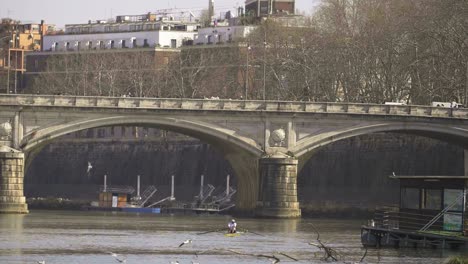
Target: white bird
{"points": [[89, 167], [118, 257], [41, 262], [188, 241], [393, 174]]}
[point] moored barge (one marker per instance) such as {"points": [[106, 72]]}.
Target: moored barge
{"points": [[432, 213]]}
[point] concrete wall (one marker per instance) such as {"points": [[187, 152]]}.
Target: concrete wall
{"points": [[60, 168], [344, 176], [354, 173]]}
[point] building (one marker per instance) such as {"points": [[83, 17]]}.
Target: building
{"points": [[262, 8], [148, 31], [21, 39], [221, 35]]}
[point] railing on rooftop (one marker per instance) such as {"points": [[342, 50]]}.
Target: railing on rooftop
{"points": [[230, 105]]}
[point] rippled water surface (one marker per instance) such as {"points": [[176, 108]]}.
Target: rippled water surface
{"points": [[90, 237]]}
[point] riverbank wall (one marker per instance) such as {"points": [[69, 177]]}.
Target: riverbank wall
{"points": [[349, 177]]}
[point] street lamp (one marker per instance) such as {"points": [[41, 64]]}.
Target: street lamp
{"points": [[9, 66], [8, 62], [246, 81], [264, 69]]}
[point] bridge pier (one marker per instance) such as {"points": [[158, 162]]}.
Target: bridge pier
{"points": [[278, 188], [12, 198]]}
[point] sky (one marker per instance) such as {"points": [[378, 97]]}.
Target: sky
{"points": [[76, 12]]}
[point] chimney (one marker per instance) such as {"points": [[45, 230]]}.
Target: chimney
{"points": [[258, 8], [42, 32]]}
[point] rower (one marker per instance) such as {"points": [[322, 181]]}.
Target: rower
{"points": [[232, 226]]}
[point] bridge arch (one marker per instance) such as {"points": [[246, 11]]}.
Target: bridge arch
{"points": [[453, 134], [242, 153]]}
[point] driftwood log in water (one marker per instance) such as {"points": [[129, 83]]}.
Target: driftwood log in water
{"points": [[273, 257], [329, 252]]}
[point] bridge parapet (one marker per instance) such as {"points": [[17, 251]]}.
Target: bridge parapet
{"points": [[231, 105]]}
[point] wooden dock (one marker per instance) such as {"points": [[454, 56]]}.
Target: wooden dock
{"points": [[385, 237]]}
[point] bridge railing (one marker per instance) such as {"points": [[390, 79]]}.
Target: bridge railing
{"points": [[229, 105]]}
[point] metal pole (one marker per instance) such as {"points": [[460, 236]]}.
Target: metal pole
{"points": [[172, 188], [8, 74], [16, 71], [227, 184], [264, 68], [105, 183], [246, 83], [201, 188], [466, 86], [138, 186]]}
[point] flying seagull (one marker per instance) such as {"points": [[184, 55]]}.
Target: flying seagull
{"points": [[89, 167], [41, 262], [188, 241], [393, 174]]}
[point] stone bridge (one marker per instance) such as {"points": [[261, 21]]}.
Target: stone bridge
{"points": [[266, 142]]}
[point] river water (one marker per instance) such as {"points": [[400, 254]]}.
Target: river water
{"points": [[90, 237]]}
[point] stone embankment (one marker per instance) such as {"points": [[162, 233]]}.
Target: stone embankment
{"points": [[348, 177]]}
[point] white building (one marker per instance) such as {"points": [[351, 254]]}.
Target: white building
{"points": [[164, 32], [219, 35]]}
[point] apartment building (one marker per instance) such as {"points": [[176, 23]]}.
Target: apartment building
{"points": [[262, 8], [140, 31], [19, 40]]}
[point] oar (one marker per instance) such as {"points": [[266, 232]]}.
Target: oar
{"points": [[248, 231], [211, 231]]}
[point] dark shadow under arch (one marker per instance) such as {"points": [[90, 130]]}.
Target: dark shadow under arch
{"points": [[241, 153]]}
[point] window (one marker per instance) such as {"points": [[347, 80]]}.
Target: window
{"points": [[451, 196], [90, 45], [123, 44], [79, 45], [145, 43], [173, 43], [102, 45], [432, 199], [112, 44], [409, 198], [134, 43]]}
